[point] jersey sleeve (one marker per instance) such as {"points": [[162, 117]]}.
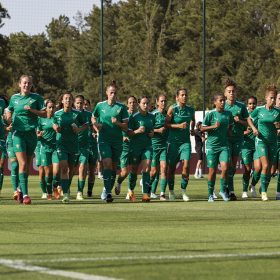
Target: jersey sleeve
{"points": [[11, 104], [40, 103], [245, 113], [124, 113], [254, 114], [39, 127], [207, 119], [95, 112], [55, 119]]}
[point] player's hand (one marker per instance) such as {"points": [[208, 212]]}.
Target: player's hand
{"points": [[255, 132], [125, 139], [27, 107], [114, 120], [161, 130], [217, 124], [40, 133], [56, 128], [183, 125], [236, 119]]}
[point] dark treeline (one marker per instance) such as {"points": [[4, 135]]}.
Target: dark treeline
{"points": [[151, 46]]}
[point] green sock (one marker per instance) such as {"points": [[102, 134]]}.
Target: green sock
{"points": [[263, 182], [14, 175], [43, 186], [231, 173], [55, 181], [268, 178], [48, 181], [81, 185], [146, 180], [184, 183], [107, 178], [113, 178], [1, 177], [120, 179], [245, 182], [163, 184], [65, 185], [154, 182], [132, 177], [256, 178], [90, 185], [222, 185], [278, 182], [211, 185], [23, 183], [170, 182]]}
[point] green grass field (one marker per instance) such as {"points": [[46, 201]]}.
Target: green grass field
{"points": [[123, 240]]}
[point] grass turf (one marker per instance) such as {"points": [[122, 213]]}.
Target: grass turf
{"points": [[196, 239]]}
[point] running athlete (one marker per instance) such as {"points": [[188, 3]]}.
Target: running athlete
{"points": [[199, 140], [266, 137], [84, 141], [109, 120], [158, 165], [48, 153], [23, 111], [141, 130], [277, 105], [249, 155], [217, 124], [67, 123], [180, 118], [124, 159], [240, 116]]}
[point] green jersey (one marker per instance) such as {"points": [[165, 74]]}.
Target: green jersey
{"points": [[83, 136], [23, 120], [48, 139], [181, 115], [217, 138], [237, 109], [249, 139], [159, 139], [266, 127], [142, 140], [124, 133], [67, 139], [104, 113]]}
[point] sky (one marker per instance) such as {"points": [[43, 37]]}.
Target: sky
{"points": [[31, 16]]}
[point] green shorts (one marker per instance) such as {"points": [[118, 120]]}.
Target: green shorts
{"points": [[158, 156], [108, 150], [92, 155], [83, 156], [216, 157], [268, 150], [137, 155], [48, 158], [25, 141], [235, 148], [248, 156], [65, 155], [177, 152]]}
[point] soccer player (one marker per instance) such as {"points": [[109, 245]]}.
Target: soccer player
{"points": [[41, 171], [109, 119], [180, 120], [217, 124], [240, 116], [277, 105], [141, 130], [249, 155], [199, 140], [48, 153], [84, 141], [266, 137], [159, 139], [23, 111], [124, 159], [67, 123]]}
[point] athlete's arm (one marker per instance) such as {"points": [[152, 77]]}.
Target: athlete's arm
{"points": [[250, 122], [168, 119], [39, 113]]}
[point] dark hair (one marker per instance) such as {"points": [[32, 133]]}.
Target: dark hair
{"points": [[229, 82], [5, 98], [47, 101], [160, 95], [180, 89], [132, 96], [252, 97], [217, 95], [198, 124], [113, 83], [61, 97], [142, 97], [80, 96], [87, 100], [271, 88]]}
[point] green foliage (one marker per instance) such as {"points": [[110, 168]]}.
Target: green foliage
{"points": [[151, 46]]}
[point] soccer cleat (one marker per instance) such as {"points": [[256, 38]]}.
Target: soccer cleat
{"points": [[100, 176], [232, 196], [210, 198], [131, 196], [264, 196], [20, 197], [89, 193], [244, 195], [196, 176], [15, 195], [172, 196], [49, 197], [185, 197], [103, 194], [65, 198], [253, 191], [118, 189], [26, 200], [214, 195], [162, 197], [145, 197], [44, 196], [224, 196], [127, 196], [154, 196], [56, 193], [79, 196], [109, 198]]}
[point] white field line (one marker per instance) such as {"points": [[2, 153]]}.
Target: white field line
{"points": [[162, 257], [21, 265]]}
